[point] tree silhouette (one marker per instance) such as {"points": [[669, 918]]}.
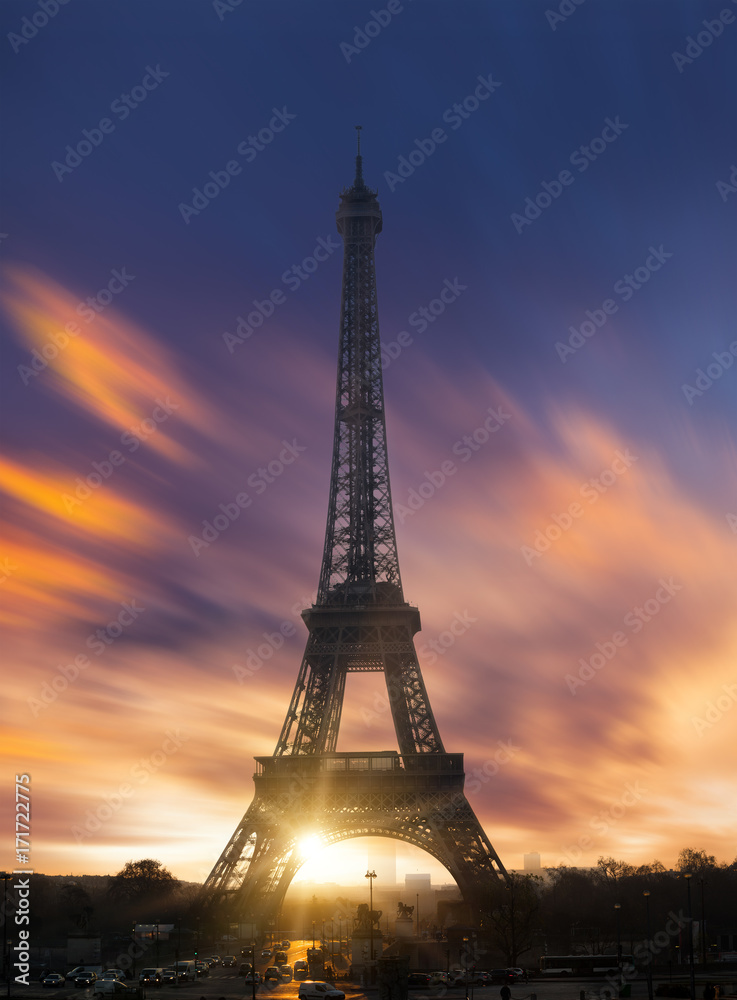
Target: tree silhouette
{"points": [[142, 880]]}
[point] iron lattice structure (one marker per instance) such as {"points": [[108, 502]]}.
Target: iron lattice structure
{"points": [[360, 622]]}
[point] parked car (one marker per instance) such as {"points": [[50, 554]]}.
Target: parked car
{"points": [[439, 978], [53, 979], [519, 974], [313, 990], [228, 961], [84, 980], [150, 977], [419, 979]]}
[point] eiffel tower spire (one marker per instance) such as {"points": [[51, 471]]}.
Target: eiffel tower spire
{"points": [[360, 563], [360, 622]]}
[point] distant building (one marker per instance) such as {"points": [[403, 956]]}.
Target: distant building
{"points": [[532, 862]]}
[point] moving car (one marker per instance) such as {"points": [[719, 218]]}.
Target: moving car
{"points": [[286, 945], [419, 979], [285, 971], [79, 969], [114, 974], [266, 953], [301, 969], [272, 972], [244, 968], [114, 988], [150, 977], [214, 960], [253, 977], [228, 961], [53, 979], [168, 977], [85, 979], [202, 969], [502, 976], [313, 990]]}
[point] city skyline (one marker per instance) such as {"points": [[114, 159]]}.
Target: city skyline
{"points": [[556, 309]]}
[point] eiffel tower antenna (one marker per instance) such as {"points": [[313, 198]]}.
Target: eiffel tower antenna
{"points": [[360, 622]]}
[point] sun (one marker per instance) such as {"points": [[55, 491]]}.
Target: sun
{"points": [[308, 847]]}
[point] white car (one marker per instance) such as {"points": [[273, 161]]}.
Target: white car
{"points": [[312, 990]]}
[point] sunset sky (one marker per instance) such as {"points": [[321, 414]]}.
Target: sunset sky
{"points": [[587, 545]]}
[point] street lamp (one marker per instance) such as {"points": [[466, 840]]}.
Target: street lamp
{"points": [[157, 942], [618, 907], [464, 962], [702, 883], [688, 876], [371, 875], [417, 911], [646, 894], [252, 950]]}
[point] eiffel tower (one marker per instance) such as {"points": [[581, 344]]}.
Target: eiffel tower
{"points": [[360, 622]]}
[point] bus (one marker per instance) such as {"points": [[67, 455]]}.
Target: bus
{"points": [[584, 965]]}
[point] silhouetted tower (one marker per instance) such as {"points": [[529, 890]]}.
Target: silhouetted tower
{"points": [[360, 622]]}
